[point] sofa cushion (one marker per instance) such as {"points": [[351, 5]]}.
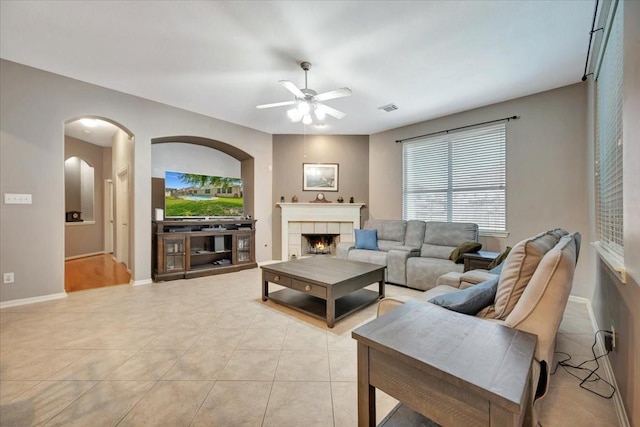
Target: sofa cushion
{"points": [[470, 300], [440, 238], [391, 232], [517, 270], [365, 255], [388, 229], [464, 248], [423, 273], [367, 239], [543, 301]]}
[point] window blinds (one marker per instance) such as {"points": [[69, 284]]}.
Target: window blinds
{"points": [[609, 148], [457, 177]]}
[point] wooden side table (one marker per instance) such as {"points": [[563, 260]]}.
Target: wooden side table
{"points": [[453, 368], [478, 260]]}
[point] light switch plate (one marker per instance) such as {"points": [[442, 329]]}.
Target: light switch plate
{"points": [[17, 199]]}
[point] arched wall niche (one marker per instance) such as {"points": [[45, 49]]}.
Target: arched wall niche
{"points": [[246, 168]]}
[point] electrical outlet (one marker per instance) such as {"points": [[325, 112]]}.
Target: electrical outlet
{"points": [[608, 342], [613, 334], [8, 278]]}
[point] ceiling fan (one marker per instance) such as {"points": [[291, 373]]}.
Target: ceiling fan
{"points": [[308, 101]]}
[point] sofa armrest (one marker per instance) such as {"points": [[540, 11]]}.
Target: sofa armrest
{"points": [[343, 248], [397, 263], [387, 304]]}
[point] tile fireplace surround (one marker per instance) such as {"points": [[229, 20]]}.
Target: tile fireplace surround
{"points": [[316, 218]]}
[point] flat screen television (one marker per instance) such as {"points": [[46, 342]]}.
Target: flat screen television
{"points": [[188, 195]]}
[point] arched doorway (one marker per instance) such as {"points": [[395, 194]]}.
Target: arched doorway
{"points": [[98, 238]]}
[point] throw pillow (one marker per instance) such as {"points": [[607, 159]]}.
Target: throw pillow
{"points": [[463, 248], [496, 262], [470, 300], [367, 239]]}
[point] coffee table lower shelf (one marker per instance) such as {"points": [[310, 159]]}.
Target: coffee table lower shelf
{"points": [[317, 307]]}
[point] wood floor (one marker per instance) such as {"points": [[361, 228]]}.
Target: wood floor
{"points": [[94, 272]]}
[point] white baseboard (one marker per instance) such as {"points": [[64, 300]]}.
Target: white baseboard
{"points": [[141, 282], [84, 255], [623, 420], [33, 300]]}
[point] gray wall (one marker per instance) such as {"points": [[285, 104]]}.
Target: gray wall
{"points": [[615, 303], [87, 238], [34, 107], [351, 152], [546, 166]]}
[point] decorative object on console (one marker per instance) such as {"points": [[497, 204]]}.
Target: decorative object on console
{"points": [[320, 176], [294, 199], [351, 199], [281, 199], [308, 101], [340, 199], [74, 216], [320, 198], [463, 248]]}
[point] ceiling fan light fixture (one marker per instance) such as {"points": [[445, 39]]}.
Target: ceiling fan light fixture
{"points": [[294, 115], [303, 107], [320, 112], [307, 103], [307, 119]]}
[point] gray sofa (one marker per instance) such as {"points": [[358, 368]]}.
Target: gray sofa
{"points": [[415, 252], [533, 287]]}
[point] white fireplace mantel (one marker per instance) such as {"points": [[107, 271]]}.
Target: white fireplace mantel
{"points": [[316, 212]]}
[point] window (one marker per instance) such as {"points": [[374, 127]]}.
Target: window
{"points": [[457, 177], [609, 148]]}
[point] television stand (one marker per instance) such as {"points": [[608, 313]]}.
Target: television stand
{"points": [[183, 249]]}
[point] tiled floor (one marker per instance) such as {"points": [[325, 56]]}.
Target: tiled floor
{"points": [[209, 352]]}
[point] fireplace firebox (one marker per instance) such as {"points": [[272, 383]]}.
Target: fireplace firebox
{"points": [[319, 244]]}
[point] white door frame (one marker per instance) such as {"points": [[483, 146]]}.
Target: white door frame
{"points": [[108, 216], [123, 217]]}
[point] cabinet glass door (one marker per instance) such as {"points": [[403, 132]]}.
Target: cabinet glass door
{"points": [[174, 254], [244, 248]]}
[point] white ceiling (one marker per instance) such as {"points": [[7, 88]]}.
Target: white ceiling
{"points": [[100, 134], [222, 58]]}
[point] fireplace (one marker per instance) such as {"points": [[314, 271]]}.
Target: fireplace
{"points": [[336, 219], [319, 244]]}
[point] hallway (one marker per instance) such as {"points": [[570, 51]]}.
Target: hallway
{"points": [[94, 272]]}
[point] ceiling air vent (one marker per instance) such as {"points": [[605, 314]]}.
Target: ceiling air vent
{"points": [[388, 108]]}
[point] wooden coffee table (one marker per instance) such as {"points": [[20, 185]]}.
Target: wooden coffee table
{"points": [[323, 287]]}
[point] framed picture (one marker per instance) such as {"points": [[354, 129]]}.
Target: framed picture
{"points": [[320, 177]]}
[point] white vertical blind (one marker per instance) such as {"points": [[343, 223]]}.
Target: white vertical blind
{"points": [[457, 177], [609, 147]]}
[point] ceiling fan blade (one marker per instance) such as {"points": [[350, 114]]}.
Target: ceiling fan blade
{"points": [[333, 112], [276, 104], [292, 88], [338, 93]]}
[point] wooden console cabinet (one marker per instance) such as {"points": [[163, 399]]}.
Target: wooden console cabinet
{"points": [[194, 248]]}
